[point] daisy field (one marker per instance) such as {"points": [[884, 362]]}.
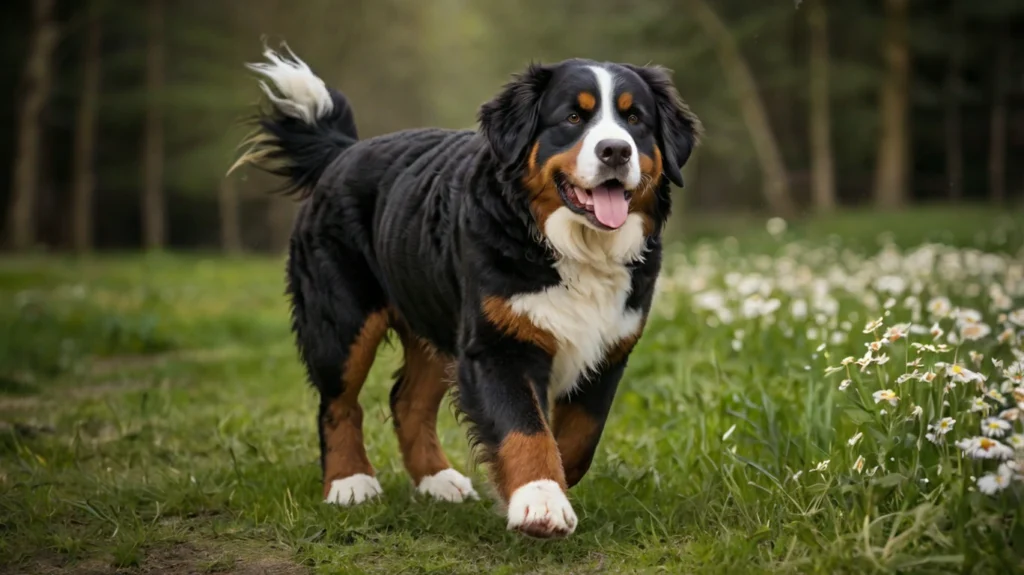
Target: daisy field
{"points": [[840, 396]]}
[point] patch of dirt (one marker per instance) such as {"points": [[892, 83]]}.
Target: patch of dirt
{"points": [[108, 365], [104, 366], [177, 559]]}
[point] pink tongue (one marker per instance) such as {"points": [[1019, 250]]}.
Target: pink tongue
{"points": [[610, 205]]}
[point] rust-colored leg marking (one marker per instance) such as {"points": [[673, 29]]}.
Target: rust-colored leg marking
{"points": [[345, 454], [577, 433], [421, 386], [525, 458]]}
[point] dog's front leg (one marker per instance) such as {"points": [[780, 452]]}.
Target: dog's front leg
{"points": [[503, 379]]}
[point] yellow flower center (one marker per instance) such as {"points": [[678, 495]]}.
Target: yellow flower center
{"points": [[986, 444]]}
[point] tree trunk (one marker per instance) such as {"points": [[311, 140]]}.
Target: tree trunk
{"points": [[230, 227], [892, 167], [280, 214], [997, 131], [85, 137], [153, 227], [953, 96], [21, 215], [741, 80], [823, 184]]}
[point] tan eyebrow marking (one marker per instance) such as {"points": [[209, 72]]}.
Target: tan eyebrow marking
{"points": [[586, 101], [625, 101]]}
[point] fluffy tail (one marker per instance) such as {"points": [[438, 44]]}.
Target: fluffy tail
{"points": [[306, 126]]}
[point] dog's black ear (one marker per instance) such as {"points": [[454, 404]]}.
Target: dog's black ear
{"points": [[679, 129], [509, 121]]}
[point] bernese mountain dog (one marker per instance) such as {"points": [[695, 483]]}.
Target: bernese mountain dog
{"points": [[515, 263]]}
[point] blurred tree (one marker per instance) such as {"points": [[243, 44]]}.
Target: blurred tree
{"points": [[153, 202], [37, 81], [999, 117], [952, 99], [892, 167], [84, 177], [229, 209], [773, 169], [823, 186]]}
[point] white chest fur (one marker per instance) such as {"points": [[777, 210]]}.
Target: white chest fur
{"points": [[586, 311]]}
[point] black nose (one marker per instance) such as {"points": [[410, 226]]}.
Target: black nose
{"points": [[614, 153]]}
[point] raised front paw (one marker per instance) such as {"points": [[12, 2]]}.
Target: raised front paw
{"points": [[540, 509]]}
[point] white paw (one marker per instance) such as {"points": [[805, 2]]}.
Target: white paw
{"points": [[540, 509], [353, 490], [447, 485]]}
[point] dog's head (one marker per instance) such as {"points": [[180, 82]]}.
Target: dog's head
{"points": [[591, 141]]}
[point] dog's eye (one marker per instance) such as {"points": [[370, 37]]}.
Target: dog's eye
{"points": [[573, 118], [633, 119]]}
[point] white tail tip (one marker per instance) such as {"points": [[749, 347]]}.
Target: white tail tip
{"points": [[300, 93]]}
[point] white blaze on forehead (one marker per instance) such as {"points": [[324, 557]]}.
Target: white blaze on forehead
{"points": [[590, 170]]}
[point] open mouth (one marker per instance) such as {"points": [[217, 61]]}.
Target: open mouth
{"points": [[606, 205]]}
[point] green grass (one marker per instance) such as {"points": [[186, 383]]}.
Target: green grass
{"points": [[155, 417]]}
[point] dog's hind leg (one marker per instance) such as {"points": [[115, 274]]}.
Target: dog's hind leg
{"points": [[419, 388], [339, 315]]}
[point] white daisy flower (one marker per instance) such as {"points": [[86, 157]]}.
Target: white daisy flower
{"points": [[776, 226], [990, 483], [1012, 414], [896, 332], [936, 332], [984, 448], [1006, 335], [908, 376], [1016, 317], [995, 427], [939, 306], [1011, 467], [798, 309], [1015, 373], [995, 395], [853, 440], [1016, 441], [873, 325], [821, 466], [833, 369], [978, 404], [845, 384], [961, 374], [943, 426], [917, 411], [886, 395], [974, 331], [858, 465], [865, 361], [967, 316]]}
